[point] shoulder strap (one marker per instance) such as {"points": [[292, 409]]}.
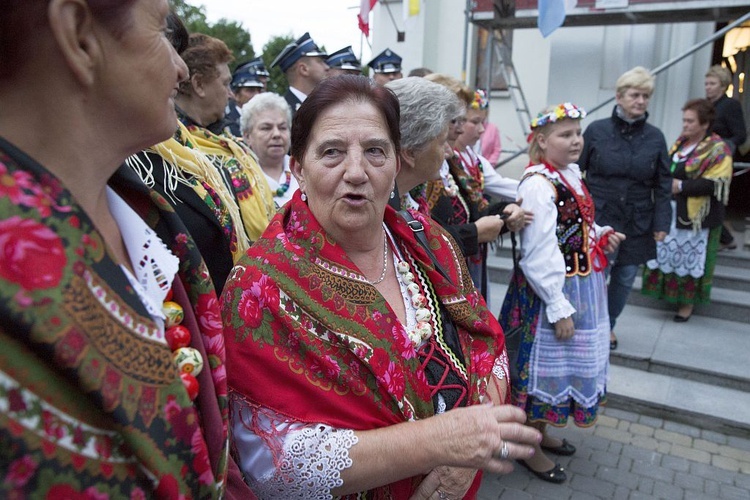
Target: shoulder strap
{"points": [[418, 230]]}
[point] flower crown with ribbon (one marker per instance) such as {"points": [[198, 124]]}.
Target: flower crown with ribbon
{"points": [[480, 100], [564, 110]]}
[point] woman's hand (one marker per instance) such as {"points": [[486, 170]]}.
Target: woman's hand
{"points": [[564, 328], [516, 217], [445, 482], [660, 235], [474, 437], [676, 186], [488, 228]]}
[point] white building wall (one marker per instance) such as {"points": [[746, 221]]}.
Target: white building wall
{"points": [[573, 64]]}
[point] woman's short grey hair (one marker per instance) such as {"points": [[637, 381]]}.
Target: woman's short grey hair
{"points": [[426, 109], [263, 102], [637, 78]]}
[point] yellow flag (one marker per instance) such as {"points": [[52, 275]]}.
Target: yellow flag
{"points": [[411, 8]]}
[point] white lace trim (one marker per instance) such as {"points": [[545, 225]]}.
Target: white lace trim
{"points": [[311, 465]]}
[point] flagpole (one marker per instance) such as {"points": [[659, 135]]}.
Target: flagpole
{"points": [[466, 40]]}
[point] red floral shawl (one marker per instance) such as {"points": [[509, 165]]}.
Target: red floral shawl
{"points": [[309, 338], [94, 409]]}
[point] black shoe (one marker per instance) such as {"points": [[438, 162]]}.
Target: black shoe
{"points": [[612, 345], [681, 319], [555, 475], [564, 450]]}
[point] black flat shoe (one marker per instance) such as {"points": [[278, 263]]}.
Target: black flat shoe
{"points": [[613, 345], [555, 475], [564, 450], [681, 319]]}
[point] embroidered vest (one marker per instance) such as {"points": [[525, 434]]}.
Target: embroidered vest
{"points": [[572, 232]]}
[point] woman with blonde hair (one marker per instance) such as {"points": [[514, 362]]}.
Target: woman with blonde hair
{"points": [[557, 295], [625, 162]]}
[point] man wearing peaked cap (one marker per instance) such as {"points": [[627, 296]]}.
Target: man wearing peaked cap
{"points": [[386, 66], [248, 80], [304, 65], [343, 62]]}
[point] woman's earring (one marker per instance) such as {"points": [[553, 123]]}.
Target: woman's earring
{"points": [[303, 197], [393, 194]]}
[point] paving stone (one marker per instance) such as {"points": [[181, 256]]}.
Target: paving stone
{"points": [[733, 493], [691, 454], [654, 422], [645, 442], [688, 430], [667, 490], [714, 437], [742, 481], [709, 446], [592, 486], [615, 447], [606, 421], [664, 448], [738, 442], [613, 434], [622, 414], [515, 495], [696, 495], [604, 459], [676, 464], [642, 430], [689, 481], [621, 493], [673, 437], [582, 467], [641, 455], [712, 474], [542, 489], [736, 453], [745, 467], [618, 477], [646, 486], [598, 443], [650, 470], [623, 425], [637, 495], [725, 463], [577, 495], [711, 488]]}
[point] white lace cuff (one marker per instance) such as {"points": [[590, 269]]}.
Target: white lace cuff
{"points": [[559, 309], [311, 464]]}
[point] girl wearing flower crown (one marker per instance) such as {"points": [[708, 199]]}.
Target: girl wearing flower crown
{"points": [[557, 295]]}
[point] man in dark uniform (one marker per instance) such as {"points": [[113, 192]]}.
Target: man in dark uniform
{"points": [[386, 67], [343, 62], [248, 80], [304, 65]]}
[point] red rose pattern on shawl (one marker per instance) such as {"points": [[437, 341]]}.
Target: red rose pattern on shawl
{"points": [[42, 229]]}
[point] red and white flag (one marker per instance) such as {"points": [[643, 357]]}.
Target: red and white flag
{"points": [[365, 6]]}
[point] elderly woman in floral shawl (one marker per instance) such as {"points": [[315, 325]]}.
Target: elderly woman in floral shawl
{"points": [[360, 358], [101, 288], [702, 168]]}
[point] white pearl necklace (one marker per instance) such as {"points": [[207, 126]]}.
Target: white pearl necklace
{"points": [[423, 329]]}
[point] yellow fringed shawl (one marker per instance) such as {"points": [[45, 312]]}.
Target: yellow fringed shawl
{"points": [[712, 160], [183, 161]]}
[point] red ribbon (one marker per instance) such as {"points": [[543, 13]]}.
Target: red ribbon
{"points": [[599, 259]]}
